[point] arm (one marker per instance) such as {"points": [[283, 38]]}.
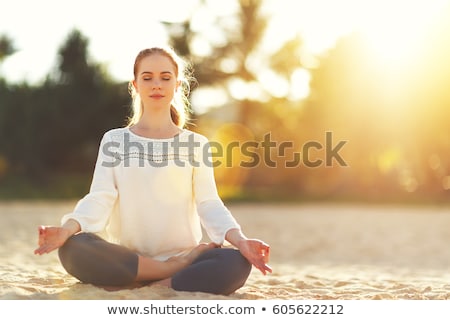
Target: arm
{"points": [[93, 210], [256, 251], [90, 214], [215, 216], [218, 220]]}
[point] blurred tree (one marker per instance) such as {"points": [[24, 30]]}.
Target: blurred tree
{"points": [[54, 128], [74, 65], [9, 108], [86, 104], [227, 55], [6, 47], [225, 60]]}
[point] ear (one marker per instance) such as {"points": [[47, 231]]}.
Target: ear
{"points": [[178, 85], [134, 84]]}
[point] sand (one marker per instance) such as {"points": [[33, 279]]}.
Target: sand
{"points": [[318, 251]]}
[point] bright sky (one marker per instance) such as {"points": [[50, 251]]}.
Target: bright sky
{"points": [[118, 29]]}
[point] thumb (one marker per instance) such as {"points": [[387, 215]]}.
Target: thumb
{"points": [[41, 230]]}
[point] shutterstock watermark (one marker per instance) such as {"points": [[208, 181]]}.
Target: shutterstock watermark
{"points": [[158, 153]]}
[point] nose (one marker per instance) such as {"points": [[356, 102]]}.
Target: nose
{"points": [[156, 84]]}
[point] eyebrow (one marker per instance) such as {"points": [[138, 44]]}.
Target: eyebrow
{"points": [[163, 72]]}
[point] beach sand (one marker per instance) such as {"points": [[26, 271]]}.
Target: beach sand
{"points": [[318, 251]]}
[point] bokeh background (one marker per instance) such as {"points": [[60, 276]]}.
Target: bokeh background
{"points": [[374, 74]]}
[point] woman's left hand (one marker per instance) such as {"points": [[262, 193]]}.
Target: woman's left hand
{"points": [[257, 253]]}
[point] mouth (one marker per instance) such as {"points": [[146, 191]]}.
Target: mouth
{"points": [[156, 96]]}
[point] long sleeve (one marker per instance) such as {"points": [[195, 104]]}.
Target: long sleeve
{"points": [[214, 215], [93, 211]]}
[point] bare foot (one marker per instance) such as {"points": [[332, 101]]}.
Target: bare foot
{"points": [[164, 282], [186, 260], [198, 250], [189, 257]]}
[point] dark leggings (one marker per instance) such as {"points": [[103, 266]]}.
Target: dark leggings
{"points": [[93, 260]]}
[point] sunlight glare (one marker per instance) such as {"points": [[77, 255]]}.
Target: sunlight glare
{"points": [[276, 85], [395, 30], [242, 90], [300, 84]]}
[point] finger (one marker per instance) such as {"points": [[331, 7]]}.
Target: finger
{"points": [[41, 232], [264, 269], [45, 249], [42, 249], [261, 266], [50, 248], [39, 250], [264, 254], [41, 239], [264, 245]]}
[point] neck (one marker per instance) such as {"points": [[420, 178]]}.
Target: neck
{"points": [[156, 124], [156, 119]]}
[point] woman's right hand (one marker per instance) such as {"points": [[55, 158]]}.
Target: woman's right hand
{"points": [[51, 238]]}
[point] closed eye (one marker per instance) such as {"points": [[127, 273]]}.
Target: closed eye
{"points": [[163, 78]]}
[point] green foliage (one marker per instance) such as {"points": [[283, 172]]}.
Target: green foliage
{"points": [[6, 47], [397, 128], [55, 128]]}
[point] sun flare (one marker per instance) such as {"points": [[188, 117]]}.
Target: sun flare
{"points": [[395, 31]]}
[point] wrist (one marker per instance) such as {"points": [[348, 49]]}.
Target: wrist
{"points": [[70, 228], [66, 232], [236, 237]]}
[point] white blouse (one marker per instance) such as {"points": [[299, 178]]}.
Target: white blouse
{"points": [[154, 195]]}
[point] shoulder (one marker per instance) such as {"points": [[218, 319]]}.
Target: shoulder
{"points": [[115, 133], [195, 136]]}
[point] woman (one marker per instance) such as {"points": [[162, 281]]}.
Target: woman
{"points": [[153, 188]]}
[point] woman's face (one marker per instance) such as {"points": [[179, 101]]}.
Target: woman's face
{"points": [[156, 80]]}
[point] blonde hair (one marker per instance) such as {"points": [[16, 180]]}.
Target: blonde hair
{"points": [[180, 107]]}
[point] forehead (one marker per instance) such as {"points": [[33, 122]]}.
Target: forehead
{"points": [[156, 63]]}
